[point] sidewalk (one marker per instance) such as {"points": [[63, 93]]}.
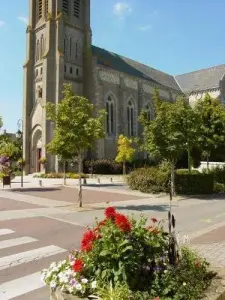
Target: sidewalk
{"points": [[211, 245]]}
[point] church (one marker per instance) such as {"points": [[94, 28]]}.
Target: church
{"points": [[59, 49]]}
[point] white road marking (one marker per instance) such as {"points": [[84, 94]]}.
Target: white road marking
{"points": [[21, 286], [6, 231], [16, 242], [27, 256]]}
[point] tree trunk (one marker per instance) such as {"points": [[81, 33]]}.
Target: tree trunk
{"points": [[64, 172], [189, 158], [80, 185], [172, 179], [124, 168], [207, 163]]}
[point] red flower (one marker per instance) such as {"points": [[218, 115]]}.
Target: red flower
{"points": [[154, 220], [156, 298], [88, 238], [110, 212], [122, 222], [78, 265], [102, 223]]}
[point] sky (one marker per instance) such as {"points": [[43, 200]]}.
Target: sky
{"points": [[173, 36]]}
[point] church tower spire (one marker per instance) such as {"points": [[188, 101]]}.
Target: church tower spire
{"points": [[58, 50]]}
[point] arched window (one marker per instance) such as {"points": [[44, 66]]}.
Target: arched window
{"points": [[76, 8], [148, 110], [37, 50], [65, 6], [71, 47], [130, 118], [66, 46], [42, 46], [110, 115]]}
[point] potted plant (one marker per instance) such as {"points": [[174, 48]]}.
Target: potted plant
{"points": [[125, 258], [6, 170], [43, 160]]}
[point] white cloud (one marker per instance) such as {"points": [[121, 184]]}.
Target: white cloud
{"points": [[23, 19], [2, 23], [120, 9], [145, 28]]}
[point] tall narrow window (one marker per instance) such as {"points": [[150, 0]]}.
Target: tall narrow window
{"points": [[65, 6], [130, 118], [46, 8], [149, 112], [66, 46], [110, 115], [42, 46], [77, 46], [37, 50], [71, 47], [39, 9], [76, 8]]}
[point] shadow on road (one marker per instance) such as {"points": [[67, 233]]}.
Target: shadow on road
{"points": [[36, 189], [141, 208]]}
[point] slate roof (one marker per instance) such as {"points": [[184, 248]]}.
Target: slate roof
{"points": [[133, 68], [202, 79]]}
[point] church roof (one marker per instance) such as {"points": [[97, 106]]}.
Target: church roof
{"points": [[133, 68], [200, 80]]}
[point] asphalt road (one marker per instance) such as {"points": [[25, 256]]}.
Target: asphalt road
{"points": [[36, 230]]}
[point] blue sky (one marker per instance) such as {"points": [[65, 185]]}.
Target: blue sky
{"points": [[170, 35]]}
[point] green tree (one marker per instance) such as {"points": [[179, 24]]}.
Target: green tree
{"points": [[9, 149], [58, 146], [77, 126], [125, 151], [211, 114], [164, 135]]}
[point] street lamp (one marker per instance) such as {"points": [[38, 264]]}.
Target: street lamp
{"points": [[20, 136]]}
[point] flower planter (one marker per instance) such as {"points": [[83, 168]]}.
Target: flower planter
{"points": [[56, 294]]}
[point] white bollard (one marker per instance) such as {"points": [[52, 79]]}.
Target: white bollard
{"points": [[40, 182], [99, 180]]}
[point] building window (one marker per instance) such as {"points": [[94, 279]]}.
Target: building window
{"points": [[42, 46], [71, 70], [65, 7], [148, 112], [37, 51], [40, 92], [66, 46], [110, 115], [39, 9], [41, 71], [76, 8], [46, 8], [65, 68], [77, 72], [71, 47], [76, 49], [36, 73], [130, 118]]}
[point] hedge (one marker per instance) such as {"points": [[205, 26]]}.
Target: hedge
{"points": [[194, 183], [149, 180], [60, 175]]}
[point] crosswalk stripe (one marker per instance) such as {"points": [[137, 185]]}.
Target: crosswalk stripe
{"points": [[16, 242], [6, 231], [27, 256], [21, 286]]}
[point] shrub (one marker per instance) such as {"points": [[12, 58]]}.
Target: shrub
{"points": [[60, 175], [149, 180], [194, 183], [123, 258], [218, 187], [102, 166], [218, 174]]}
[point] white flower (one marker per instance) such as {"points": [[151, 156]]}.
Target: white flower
{"points": [[184, 283], [84, 280], [78, 286], [52, 265], [94, 284], [53, 284]]}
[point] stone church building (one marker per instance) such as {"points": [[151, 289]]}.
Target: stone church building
{"points": [[59, 49]]}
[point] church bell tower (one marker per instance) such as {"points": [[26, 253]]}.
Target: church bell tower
{"points": [[58, 51]]}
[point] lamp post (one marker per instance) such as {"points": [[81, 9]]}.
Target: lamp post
{"points": [[20, 136]]}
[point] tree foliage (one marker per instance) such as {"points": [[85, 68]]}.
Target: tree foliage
{"points": [[77, 126], [125, 151], [211, 115]]}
